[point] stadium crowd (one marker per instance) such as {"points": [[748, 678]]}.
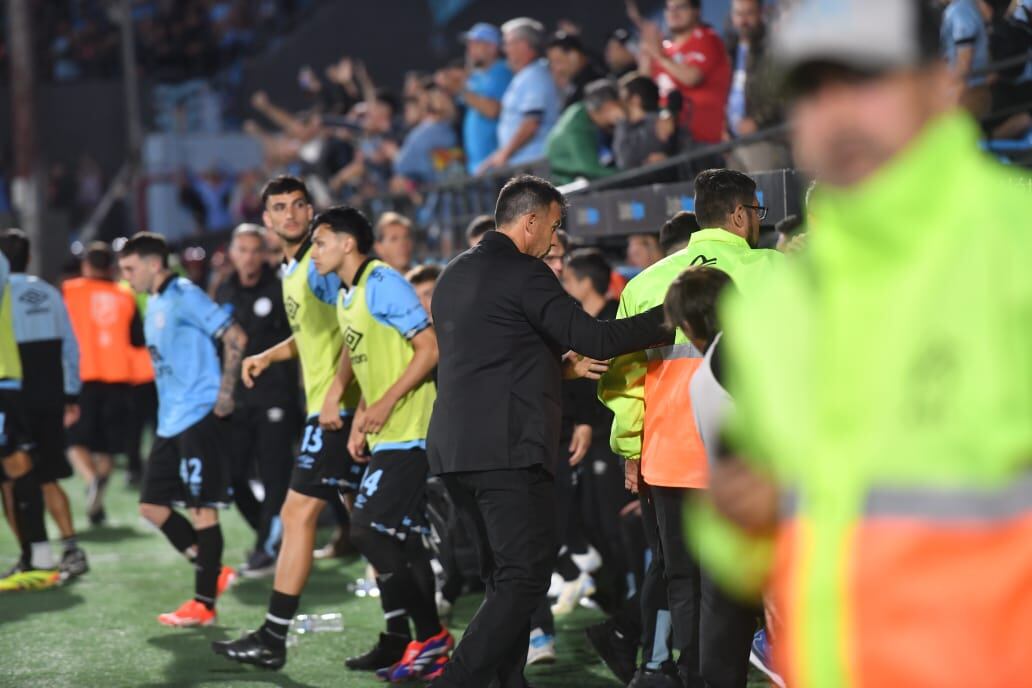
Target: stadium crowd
{"points": [[751, 451]]}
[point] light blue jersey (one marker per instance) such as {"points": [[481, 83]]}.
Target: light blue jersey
{"points": [[962, 25], [532, 93], [180, 327]]}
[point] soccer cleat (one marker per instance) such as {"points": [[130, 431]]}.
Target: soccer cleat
{"points": [[97, 518], [420, 658], [30, 579], [73, 564], [541, 649], [259, 565], [759, 657], [436, 669], [95, 500], [190, 613], [618, 650], [227, 576], [388, 651], [252, 649], [655, 679], [572, 593]]}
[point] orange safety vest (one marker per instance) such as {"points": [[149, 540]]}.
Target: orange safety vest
{"points": [[102, 315]]}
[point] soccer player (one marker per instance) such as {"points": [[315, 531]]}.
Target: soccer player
{"points": [[391, 350], [324, 469], [15, 464], [189, 462], [50, 387]]}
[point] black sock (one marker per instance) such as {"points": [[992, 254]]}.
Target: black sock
{"points": [[422, 605], [209, 564], [28, 509], [70, 543], [282, 608], [392, 599], [181, 534]]}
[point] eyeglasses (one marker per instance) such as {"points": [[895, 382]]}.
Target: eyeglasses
{"points": [[761, 211]]}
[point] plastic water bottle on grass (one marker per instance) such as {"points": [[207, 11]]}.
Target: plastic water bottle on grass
{"points": [[316, 623]]}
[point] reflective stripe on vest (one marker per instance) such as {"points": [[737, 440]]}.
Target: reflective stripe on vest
{"points": [[672, 453], [936, 589]]}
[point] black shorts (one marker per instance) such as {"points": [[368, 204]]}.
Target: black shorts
{"points": [[14, 431], [47, 431], [324, 469], [191, 469], [104, 407], [392, 497]]}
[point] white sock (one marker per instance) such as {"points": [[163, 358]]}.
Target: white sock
{"points": [[42, 556]]}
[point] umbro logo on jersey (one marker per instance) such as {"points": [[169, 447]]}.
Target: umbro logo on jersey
{"points": [[352, 338], [291, 305], [33, 297], [703, 260]]}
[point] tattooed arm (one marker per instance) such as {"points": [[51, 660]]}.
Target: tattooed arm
{"points": [[233, 342]]}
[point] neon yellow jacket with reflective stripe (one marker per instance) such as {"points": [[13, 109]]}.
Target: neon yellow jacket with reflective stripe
{"points": [[886, 372], [671, 452]]}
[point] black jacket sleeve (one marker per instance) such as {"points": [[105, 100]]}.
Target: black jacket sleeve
{"points": [[557, 315], [136, 337]]}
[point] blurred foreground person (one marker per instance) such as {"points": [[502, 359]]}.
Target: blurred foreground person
{"points": [[886, 506]]}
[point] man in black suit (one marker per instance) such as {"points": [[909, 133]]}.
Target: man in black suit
{"points": [[503, 325]]}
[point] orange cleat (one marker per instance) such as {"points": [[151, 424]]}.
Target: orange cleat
{"points": [[190, 613], [227, 576]]}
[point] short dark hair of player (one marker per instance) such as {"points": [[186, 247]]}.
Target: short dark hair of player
{"points": [[590, 263], [423, 274], [567, 42], [525, 194], [678, 230], [637, 84], [481, 225], [14, 243], [719, 192], [146, 245], [284, 184], [99, 256], [343, 219], [691, 301]]}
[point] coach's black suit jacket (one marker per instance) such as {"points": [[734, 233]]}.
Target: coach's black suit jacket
{"points": [[503, 323]]}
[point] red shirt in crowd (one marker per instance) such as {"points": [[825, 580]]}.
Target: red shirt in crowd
{"points": [[704, 104]]}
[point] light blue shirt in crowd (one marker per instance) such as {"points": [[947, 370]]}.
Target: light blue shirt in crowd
{"points": [[479, 132], [181, 327], [736, 97], [415, 159], [962, 25], [532, 93]]}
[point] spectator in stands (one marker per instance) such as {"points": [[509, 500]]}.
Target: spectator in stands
{"points": [[394, 241], [211, 191], [481, 225], [245, 203], [530, 106], [573, 146], [620, 59], [677, 231], [965, 45], [423, 279], [643, 250], [1011, 86], [751, 104], [572, 66], [694, 62], [488, 80], [414, 163], [371, 167], [647, 135]]}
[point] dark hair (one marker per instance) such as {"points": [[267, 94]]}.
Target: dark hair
{"points": [[423, 274], [99, 256], [145, 245], [637, 84], [567, 42], [389, 99], [343, 219], [600, 92], [590, 263], [525, 194], [719, 192], [481, 225], [692, 301], [677, 230], [14, 243], [789, 226], [284, 184], [564, 239]]}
